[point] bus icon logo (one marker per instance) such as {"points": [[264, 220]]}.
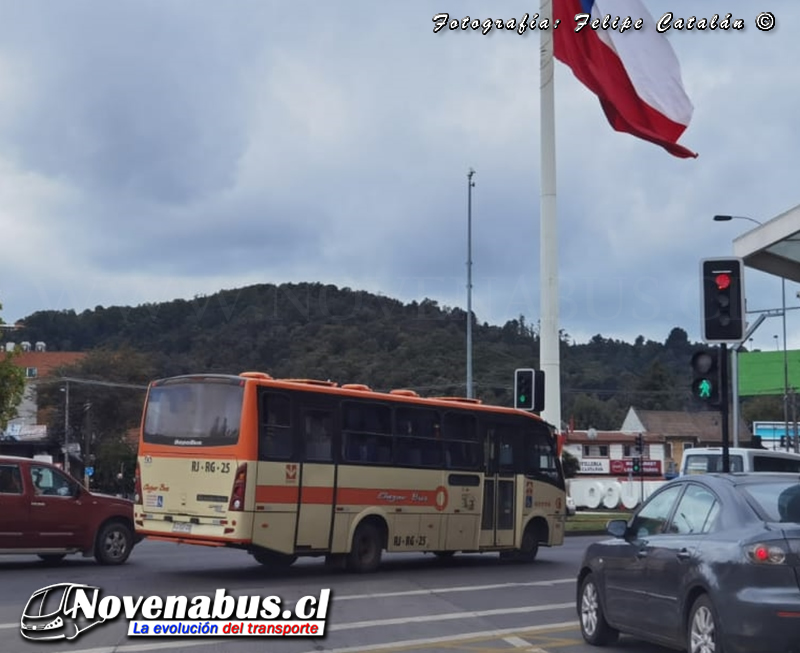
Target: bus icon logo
{"points": [[291, 472], [51, 612]]}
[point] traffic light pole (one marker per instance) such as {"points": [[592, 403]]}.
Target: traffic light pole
{"points": [[723, 407]]}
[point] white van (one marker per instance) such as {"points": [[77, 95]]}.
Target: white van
{"points": [[704, 460]]}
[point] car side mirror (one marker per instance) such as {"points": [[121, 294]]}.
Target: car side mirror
{"points": [[617, 528]]}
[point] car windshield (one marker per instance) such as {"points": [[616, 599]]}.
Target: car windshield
{"points": [[778, 502]]}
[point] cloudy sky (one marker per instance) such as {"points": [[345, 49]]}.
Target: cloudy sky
{"points": [[152, 150]]}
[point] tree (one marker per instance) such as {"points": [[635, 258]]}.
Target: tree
{"points": [[570, 464], [12, 385], [107, 390]]}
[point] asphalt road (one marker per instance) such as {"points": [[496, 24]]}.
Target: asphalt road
{"points": [[414, 603]]}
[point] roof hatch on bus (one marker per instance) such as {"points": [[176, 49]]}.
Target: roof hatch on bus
{"points": [[255, 375], [402, 392]]}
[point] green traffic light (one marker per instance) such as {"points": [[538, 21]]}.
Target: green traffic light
{"points": [[704, 389], [522, 399]]}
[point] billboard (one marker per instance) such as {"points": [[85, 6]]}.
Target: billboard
{"points": [[762, 372]]}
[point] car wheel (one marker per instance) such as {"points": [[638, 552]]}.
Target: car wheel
{"points": [[365, 553], [594, 627], [702, 636], [51, 558], [114, 543]]}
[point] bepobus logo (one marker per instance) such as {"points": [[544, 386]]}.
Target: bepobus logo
{"points": [[65, 610]]}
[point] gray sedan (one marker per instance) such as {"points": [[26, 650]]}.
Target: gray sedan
{"points": [[709, 564]]}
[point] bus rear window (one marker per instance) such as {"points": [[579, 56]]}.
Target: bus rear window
{"points": [[194, 414]]}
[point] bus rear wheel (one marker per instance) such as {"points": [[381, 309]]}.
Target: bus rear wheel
{"points": [[273, 559], [365, 554]]}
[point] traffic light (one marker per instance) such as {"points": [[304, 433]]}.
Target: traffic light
{"points": [[529, 389], [705, 381], [723, 309], [640, 443], [637, 465]]}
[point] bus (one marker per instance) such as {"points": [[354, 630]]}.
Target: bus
{"points": [[288, 468]]}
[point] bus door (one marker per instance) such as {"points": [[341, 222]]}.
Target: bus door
{"points": [[277, 478], [316, 429], [497, 519]]}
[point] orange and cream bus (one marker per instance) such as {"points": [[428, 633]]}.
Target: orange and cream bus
{"points": [[284, 468]]}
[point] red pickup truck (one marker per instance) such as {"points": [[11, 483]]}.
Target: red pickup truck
{"points": [[45, 512]]}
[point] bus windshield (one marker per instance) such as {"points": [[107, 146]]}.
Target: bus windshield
{"points": [[194, 413]]}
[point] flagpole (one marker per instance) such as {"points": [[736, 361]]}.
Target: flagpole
{"points": [[548, 239]]}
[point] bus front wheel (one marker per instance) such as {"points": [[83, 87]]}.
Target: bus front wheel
{"points": [[365, 554], [529, 548], [273, 559]]}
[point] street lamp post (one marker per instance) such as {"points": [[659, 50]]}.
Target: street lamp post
{"points": [[66, 427], [470, 186], [735, 352], [785, 365]]}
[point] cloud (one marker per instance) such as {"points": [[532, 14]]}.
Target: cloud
{"points": [[153, 151]]}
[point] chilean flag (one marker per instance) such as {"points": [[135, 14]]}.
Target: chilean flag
{"points": [[635, 73]]}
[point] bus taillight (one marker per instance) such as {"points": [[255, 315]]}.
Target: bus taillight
{"points": [[137, 488], [239, 487]]}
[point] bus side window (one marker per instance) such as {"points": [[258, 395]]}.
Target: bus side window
{"points": [[275, 427], [501, 443], [318, 435], [418, 440], [366, 433], [508, 443], [462, 448]]}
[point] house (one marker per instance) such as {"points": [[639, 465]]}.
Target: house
{"points": [[612, 453], [681, 430], [26, 434]]}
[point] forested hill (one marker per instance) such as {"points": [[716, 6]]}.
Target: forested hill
{"points": [[321, 331]]}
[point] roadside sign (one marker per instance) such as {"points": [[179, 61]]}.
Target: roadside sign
{"points": [[89, 471]]}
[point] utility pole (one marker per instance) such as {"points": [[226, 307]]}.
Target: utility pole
{"points": [[470, 186], [66, 427], [795, 441]]}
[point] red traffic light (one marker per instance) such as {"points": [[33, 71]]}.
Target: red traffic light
{"points": [[723, 281]]}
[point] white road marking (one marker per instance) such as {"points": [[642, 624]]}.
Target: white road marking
{"points": [[420, 592], [517, 642], [449, 616], [482, 634], [457, 588], [479, 635]]}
